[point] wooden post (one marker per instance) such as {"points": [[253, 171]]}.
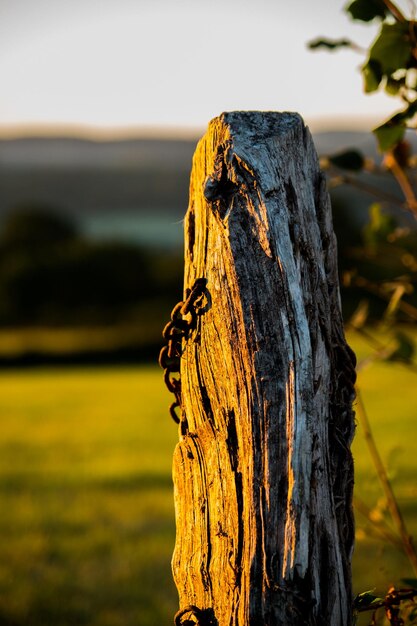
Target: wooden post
{"points": [[263, 472]]}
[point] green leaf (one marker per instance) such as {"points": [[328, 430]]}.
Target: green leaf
{"points": [[366, 600], [329, 44], [411, 582], [392, 48], [404, 351], [372, 75], [348, 160], [392, 131], [393, 85], [366, 10], [388, 135]]}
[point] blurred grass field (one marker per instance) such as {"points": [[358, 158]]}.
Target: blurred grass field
{"points": [[87, 521]]}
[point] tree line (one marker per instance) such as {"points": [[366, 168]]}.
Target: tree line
{"points": [[53, 275]]}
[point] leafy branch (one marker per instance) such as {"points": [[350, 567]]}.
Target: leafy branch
{"points": [[390, 65], [393, 603]]}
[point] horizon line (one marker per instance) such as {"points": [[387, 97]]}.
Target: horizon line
{"points": [[178, 132], [96, 133]]}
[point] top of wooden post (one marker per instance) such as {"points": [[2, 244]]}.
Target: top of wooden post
{"points": [[256, 136], [259, 124]]}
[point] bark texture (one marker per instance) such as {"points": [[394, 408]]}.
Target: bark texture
{"points": [[263, 472]]}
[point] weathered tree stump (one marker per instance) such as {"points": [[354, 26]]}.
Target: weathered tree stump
{"points": [[263, 472]]}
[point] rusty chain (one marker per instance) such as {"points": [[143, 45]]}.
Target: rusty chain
{"points": [[204, 617], [183, 320]]}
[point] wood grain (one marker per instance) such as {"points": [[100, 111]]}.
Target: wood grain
{"points": [[263, 473]]}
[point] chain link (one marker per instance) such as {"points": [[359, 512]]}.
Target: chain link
{"points": [[183, 321], [204, 617]]}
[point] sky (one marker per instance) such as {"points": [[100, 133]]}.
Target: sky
{"points": [[174, 65]]}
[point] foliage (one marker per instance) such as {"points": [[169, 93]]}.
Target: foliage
{"points": [[380, 267], [396, 603], [51, 275], [31, 227], [391, 65], [367, 10], [330, 44], [348, 160]]}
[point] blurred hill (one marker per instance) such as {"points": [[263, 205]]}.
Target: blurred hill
{"points": [[133, 177], [104, 288], [137, 175], [81, 176]]}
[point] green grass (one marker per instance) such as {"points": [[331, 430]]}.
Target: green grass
{"points": [[87, 521], [388, 392], [87, 524]]}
